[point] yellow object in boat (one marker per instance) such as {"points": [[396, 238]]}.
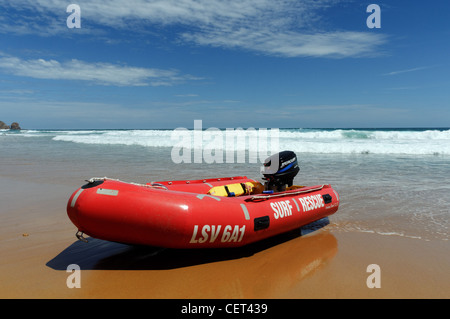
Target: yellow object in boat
{"points": [[237, 189]]}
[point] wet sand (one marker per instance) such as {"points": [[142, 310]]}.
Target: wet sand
{"points": [[37, 243]]}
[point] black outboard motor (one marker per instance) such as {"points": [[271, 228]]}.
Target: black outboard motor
{"points": [[279, 170]]}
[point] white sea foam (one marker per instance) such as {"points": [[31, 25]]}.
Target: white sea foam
{"points": [[338, 141], [148, 138], [424, 142]]}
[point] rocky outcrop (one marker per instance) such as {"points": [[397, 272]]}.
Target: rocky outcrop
{"points": [[14, 126], [3, 126]]}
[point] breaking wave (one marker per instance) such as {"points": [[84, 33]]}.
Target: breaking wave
{"points": [[321, 141]]}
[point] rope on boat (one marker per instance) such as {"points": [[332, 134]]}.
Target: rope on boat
{"points": [[258, 197], [265, 197], [151, 185]]}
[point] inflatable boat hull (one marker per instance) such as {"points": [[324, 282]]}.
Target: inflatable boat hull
{"points": [[180, 214]]}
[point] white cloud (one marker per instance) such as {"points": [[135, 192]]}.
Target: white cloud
{"points": [[118, 13], [99, 73], [293, 44], [408, 70], [287, 28]]}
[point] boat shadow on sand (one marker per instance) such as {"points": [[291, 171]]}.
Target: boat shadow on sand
{"points": [[104, 255]]}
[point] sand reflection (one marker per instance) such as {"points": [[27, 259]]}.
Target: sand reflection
{"points": [[266, 269]]}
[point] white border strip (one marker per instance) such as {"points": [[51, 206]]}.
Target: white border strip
{"points": [[244, 208], [74, 199]]}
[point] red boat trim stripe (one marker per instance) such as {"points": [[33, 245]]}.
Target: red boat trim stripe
{"points": [[74, 199], [244, 208]]}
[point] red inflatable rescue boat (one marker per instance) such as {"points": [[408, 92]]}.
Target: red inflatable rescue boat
{"points": [[217, 212]]}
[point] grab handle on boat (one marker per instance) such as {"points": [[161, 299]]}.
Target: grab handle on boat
{"points": [[159, 185], [80, 237]]}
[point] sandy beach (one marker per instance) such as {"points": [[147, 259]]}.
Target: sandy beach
{"points": [[150, 91], [37, 244]]}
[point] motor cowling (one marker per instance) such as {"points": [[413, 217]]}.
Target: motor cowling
{"points": [[279, 170]]}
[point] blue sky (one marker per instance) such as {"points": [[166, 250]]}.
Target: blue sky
{"points": [[257, 63]]}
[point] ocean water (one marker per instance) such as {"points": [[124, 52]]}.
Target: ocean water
{"points": [[392, 182], [318, 141]]}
